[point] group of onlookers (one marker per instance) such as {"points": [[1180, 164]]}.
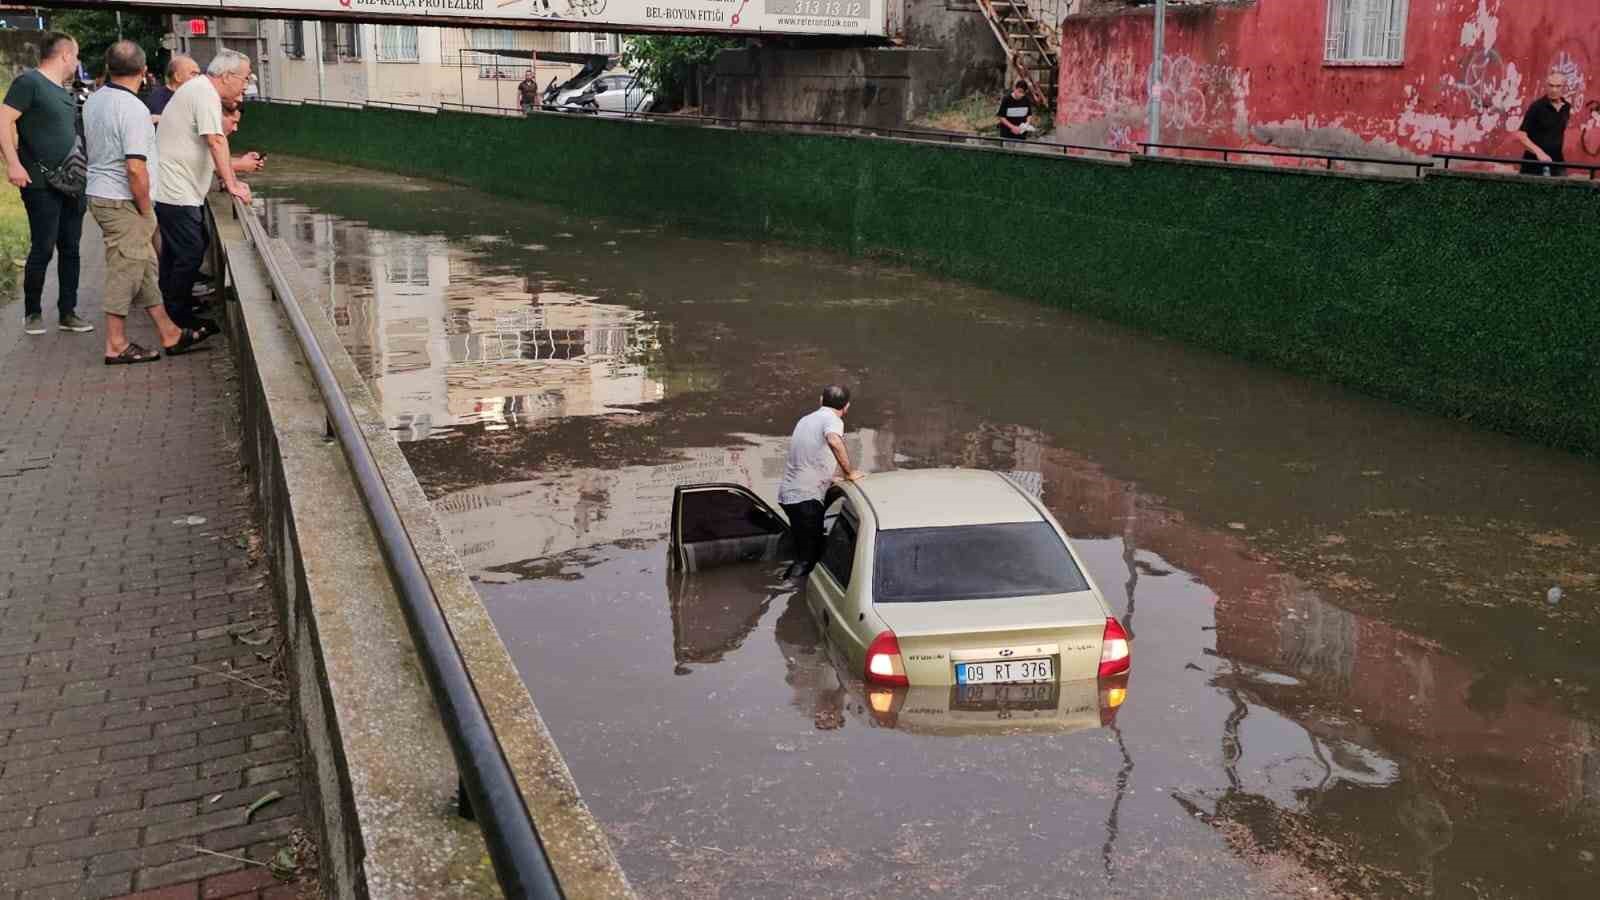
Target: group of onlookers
{"points": [[142, 167]]}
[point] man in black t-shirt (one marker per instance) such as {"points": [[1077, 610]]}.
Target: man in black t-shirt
{"points": [[1016, 107], [1544, 129]]}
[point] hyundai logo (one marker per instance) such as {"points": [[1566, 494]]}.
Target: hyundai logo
{"points": [[1007, 652]]}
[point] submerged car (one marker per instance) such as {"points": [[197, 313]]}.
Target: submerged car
{"points": [[929, 578]]}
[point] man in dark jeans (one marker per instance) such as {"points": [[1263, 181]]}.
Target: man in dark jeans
{"points": [[192, 144], [39, 128], [1544, 129], [816, 452]]}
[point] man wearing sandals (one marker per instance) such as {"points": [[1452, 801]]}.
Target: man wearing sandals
{"points": [[121, 144], [193, 145]]}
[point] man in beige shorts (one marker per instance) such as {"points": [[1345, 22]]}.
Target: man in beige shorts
{"points": [[121, 143]]}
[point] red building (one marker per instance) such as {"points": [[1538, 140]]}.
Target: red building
{"points": [[1357, 77]]}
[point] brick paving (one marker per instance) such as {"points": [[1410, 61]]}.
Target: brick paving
{"points": [[139, 711]]}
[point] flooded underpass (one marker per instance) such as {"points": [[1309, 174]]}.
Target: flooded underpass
{"points": [[1364, 638]]}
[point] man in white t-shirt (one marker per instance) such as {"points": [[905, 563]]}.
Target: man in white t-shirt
{"points": [[816, 454], [121, 155], [193, 145]]}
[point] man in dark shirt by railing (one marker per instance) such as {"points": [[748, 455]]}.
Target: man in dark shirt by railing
{"points": [[528, 92], [1016, 109], [1544, 130]]}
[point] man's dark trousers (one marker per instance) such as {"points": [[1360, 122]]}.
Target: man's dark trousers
{"points": [[805, 526], [183, 250], [55, 225]]}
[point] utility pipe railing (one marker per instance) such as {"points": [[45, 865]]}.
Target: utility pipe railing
{"points": [[519, 859]]}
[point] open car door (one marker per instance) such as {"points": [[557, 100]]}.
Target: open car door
{"points": [[717, 524]]}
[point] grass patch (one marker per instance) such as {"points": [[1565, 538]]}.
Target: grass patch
{"points": [[971, 114], [13, 230]]}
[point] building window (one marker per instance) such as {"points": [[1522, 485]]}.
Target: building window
{"points": [[602, 43], [294, 39], [1366, 31], [350, 40], [485, 42], [397, 43], [330, 41]]}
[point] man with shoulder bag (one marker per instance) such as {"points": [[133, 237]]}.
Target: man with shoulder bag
{"points": [[41, 142]]}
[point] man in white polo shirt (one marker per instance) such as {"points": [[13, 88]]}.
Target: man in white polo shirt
{"points": [[816, 453], [121, 155], [193, 146]]}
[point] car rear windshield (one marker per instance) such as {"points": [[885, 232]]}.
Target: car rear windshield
{"points": [[972, 562]]}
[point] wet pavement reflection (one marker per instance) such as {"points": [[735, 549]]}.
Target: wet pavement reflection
{"points": [[1363, 637]]}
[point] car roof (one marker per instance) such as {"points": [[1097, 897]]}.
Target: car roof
{"points": [[938, 498]]}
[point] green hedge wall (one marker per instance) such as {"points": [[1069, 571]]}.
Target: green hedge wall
{"points": [[1469, 297]]}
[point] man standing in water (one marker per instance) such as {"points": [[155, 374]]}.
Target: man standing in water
{"points": [[816, 452]]}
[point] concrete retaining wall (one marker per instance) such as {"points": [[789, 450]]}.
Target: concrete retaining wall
{"points": [[1468, 296], [950, 52], [385, 780]]}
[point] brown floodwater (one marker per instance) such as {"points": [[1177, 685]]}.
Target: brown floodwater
{"points": [[1364, 638]]}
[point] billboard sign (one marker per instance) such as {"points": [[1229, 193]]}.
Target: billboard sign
{"points": [[851, 17]]}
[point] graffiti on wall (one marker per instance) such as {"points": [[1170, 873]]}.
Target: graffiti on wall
{"points": [[1471, 69], [1193, 94], [1497, 93], [1481, 80]]}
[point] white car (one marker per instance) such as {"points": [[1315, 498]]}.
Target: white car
{"points": [[928, 578]]}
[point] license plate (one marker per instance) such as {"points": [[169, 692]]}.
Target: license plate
{"points": [[986, 697], [1005, 671]]}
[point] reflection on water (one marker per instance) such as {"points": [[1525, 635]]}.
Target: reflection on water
{"points": [[1346, 678], [445, 342]]}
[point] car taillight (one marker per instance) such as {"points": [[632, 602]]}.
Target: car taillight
{"points": [[1113, 693], [1115, 655], [883, 661]]}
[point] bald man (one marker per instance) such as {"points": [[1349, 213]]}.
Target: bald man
{"points": [[180, 69]]}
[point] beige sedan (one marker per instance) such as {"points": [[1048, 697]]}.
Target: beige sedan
{"points": [[928, 578]]}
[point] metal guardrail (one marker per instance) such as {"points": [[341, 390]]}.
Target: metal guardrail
{"points": [[409, 107], [518, 856], [929, 135], [1330, 159], [341, 104], [1592, 169]]}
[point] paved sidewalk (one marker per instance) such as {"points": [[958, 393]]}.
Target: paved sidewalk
{"points": [[139, 713]]}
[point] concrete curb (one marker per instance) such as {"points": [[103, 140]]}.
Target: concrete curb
{"points": [[386, 779]]}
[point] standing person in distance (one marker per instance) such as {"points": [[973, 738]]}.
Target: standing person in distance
{"points": [[1544, 130]]}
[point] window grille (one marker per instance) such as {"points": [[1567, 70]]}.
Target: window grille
{"points": [[350, 40], [1366, 31], [330, 42], [294, 39]]}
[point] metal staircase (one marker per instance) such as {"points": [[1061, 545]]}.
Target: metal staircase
{"points": [[1030, 33]]}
